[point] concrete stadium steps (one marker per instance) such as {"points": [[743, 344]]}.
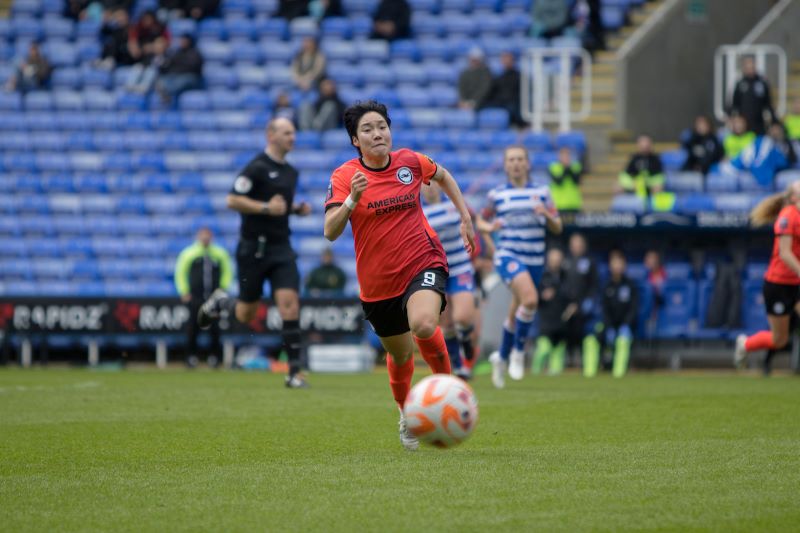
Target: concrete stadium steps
{"points": [[607, 159]]}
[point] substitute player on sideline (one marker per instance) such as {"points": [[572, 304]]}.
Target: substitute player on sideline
{"points": [[264, 196], [458, 320], [782, 279], [523, 210], [400, 263]]}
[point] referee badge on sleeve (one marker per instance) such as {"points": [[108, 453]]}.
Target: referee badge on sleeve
{"points": [[242, 185], [783, 223], [330, 191]]}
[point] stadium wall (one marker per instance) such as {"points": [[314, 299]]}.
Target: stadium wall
{"points": [[667, 64], [779, 27]]}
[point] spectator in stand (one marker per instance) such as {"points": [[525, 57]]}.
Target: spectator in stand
{"points": [[551, 344], [506, 88], [327, 279], [565, 179], [751, 98], [290, 9], [593, 33], [114, 39], [182, 70], [739, 138], [201, 269], [550, 18], [765, 157], [781, 137], [283, 108], [620, 308], [703, 147], [147, 37], [33, 72], [326, 113], [319, 9], [792, 121], [143, 76], [644, 175], [194, 9], [475, 82], [392, 20], [308, 65]]}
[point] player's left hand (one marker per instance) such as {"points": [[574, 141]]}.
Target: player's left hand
{"points": [[303, 209], [468, 235]]}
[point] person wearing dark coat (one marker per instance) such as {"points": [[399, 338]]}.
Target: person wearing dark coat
{"points": [[392, 20], [751, 98], [181, 71], [703, 147]]}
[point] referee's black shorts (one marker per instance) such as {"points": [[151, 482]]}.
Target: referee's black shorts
{"points": [[780, 299], [389, 317], [276, 263]]}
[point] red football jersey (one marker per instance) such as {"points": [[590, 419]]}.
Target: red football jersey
{"points": [[392, 237], [788, 223]]}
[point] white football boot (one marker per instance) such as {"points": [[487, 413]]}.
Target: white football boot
{"points": [[516, 365], [498, 370], [407, 439], [740, 353]]}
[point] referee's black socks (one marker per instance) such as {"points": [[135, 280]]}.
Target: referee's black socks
{"points": [[292, 342]]}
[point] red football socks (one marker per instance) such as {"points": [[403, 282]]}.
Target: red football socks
{"points": [[400, 378], [434, 351], [759, 341]]}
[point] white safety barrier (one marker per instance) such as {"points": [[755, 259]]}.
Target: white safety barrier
{"points": [[546, 77], [727, 72]]}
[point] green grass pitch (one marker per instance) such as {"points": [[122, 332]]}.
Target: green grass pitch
{"points": [[224, 451]]}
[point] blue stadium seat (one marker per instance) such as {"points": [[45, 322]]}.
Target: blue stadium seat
{"points": [[747, 183], [754, 317], [67, 78], [538, 141], [57, 28], [65, 100], [627, 203], [493, 119], [99, 100], [784, 178], [195, 101], [182, 26], [87, 28], [273, 29], [209, 29], [733, 202], [679, 309], [27, 28], [613, 17], [39, 101], [97, 78], [694, 203], [721, 183], [684, 182], [303, 27], [459, 25], [240, 28], [673, 160], [574, 140]]}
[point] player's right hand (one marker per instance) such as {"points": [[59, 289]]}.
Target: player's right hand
{"points": [[358, 184], [277, 205]]}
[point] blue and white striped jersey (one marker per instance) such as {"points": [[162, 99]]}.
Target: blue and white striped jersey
{"points": [[522, 234], [446, 222]]}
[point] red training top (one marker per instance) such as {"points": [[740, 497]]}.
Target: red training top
{"points": [[393, 240], [788, 223]]}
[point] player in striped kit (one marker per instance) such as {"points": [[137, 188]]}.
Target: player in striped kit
{"points": [[522, 212], [458, 319]]}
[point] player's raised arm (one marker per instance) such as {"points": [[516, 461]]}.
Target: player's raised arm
{"points": [[337, 214], [451, 189]]}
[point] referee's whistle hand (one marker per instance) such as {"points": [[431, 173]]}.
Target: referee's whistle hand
{"points": [[277, 205], [358, 184]]}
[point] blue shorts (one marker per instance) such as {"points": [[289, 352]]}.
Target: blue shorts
{"points": [[509, 267], [462, 283]]}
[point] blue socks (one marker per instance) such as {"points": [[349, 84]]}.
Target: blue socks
{"points": [[454, 349], [507, 342]]}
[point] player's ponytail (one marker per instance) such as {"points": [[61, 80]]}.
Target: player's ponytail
{"points": [[766, 212]]}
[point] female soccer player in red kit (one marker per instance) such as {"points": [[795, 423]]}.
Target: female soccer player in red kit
{"points": [[782, 279], [400, 263]]}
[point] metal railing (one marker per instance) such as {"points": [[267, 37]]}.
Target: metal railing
{"points": [[769, 58], [546, 78]]}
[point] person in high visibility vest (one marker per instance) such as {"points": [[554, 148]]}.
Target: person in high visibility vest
{"points": [[565, 179], [644, 177]]}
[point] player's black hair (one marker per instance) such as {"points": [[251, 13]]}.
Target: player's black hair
{"points": [[354, 112]]}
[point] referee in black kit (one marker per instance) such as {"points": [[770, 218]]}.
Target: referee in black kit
{"points": [[264, 195]]}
